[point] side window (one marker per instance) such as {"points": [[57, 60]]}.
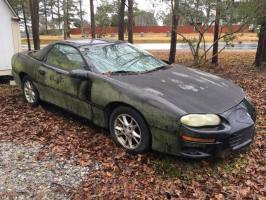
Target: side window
{"points": [[65, 57]]}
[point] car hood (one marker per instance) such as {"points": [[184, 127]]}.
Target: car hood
{"points": [[191, 90]]}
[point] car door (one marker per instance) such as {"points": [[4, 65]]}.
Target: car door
{"points": [[63, 90]]}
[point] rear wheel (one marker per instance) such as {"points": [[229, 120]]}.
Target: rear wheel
{"points": [[30, 92], [129, 130]]}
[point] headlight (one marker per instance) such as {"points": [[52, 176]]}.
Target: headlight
{"points": [[199, 120]]}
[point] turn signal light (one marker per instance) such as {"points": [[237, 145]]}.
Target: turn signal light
{"points": [[193, 139]]}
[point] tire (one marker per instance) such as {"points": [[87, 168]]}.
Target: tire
{"points": [[129, 130], [30, 92]]}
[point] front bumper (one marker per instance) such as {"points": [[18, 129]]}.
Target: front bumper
{"points": [[235, 133]]}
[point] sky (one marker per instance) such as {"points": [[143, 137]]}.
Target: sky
{"points": [[146, 5], [142, 4]]}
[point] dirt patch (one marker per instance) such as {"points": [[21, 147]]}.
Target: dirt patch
{"points": [[152, 38], [24, 176]]}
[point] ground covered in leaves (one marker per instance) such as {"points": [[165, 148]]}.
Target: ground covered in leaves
{"points": [[46, 152]]}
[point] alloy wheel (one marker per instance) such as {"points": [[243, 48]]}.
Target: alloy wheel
{"points": [[29, 92], [127, 131]]}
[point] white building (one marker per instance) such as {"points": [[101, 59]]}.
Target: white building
{"points": [[10, 40]]}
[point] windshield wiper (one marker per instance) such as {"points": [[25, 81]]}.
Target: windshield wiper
{"points": [[123, 72], [158, 68], [136, 59], [139, 72]]}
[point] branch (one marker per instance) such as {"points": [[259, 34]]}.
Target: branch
{"points": [[225, 35], [187, 41], [207, 60]]}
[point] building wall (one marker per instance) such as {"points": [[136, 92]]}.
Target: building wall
{"points": [[9, 37], [16, 35]]}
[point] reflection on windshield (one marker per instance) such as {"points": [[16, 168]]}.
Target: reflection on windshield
{"points": [[120, 57]]}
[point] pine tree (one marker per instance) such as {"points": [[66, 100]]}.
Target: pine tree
{"points": [[216, 34], [121, 23], [34, 8], [260, 60], [130, 21], [175, 19], [93, 28]]}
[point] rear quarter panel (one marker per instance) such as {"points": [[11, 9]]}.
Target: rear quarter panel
{"points": [[22, 63]]}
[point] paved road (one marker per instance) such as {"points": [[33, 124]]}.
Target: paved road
{"points": [[251, 46], [184, 46]]}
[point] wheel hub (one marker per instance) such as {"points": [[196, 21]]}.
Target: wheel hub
{"points": [[29, 92], [127, 131]]}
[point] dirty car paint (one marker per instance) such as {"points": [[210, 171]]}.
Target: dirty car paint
{"points": [[192, 90], [161, 97]]}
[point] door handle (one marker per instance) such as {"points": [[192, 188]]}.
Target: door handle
{"points": [[41, 72]]}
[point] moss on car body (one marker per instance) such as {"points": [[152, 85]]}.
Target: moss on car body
{"points": [[160, 97]]}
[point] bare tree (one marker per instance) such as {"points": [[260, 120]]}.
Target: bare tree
{"points": [[261, 51], [260, 60], [175, 19], [52, 9], [121, 23], [45, 16], [25, 24], [93, 28], [34, 8], [216, 34], [59, 14], [81, 18], [203, 11], [65, 20], [130, 21]]}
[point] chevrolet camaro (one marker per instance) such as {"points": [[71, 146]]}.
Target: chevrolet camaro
{"points": [[143, 101]]}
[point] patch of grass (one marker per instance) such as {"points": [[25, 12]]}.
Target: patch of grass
{"points": [[188, 170], [233, 166], [152, 38], [168, 167]]}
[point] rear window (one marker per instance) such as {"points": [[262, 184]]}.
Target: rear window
{"points": [[40, 55]]}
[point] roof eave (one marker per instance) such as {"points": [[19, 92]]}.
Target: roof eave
{"points": [[15, 18], [11, 9]]}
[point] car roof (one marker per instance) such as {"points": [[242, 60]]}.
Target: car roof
{"points": [[86, 42], [75, 43]]}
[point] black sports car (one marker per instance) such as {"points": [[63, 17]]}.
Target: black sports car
{"points": [[143, 101]]}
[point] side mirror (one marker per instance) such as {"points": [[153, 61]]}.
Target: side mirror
{"points": [[79, 73]]}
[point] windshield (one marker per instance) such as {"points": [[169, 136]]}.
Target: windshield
{"points": [[121, 57]]}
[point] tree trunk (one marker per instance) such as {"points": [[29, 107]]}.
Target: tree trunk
{"points": [[34, 8], [45, 16], [93, 28], [121, 23], [59, 15], [52, 11], [260, 60], [216, 34], [26, 26], [65, 20], [67, 17], [130, 21], [175, 19], [81, 18]]}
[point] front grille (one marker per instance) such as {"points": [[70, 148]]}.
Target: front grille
{"points": [[241, 138]]}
